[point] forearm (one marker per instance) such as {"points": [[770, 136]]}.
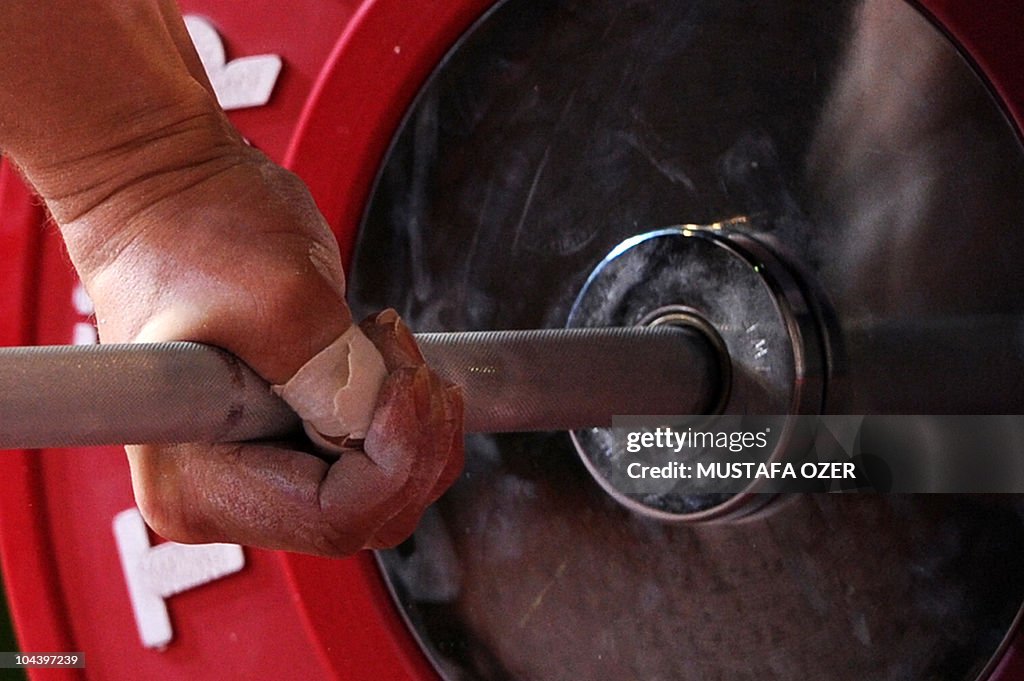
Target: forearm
{"points": [[97, 96]]}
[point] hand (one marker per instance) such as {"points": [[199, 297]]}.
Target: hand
{"points": [[241, 259]]}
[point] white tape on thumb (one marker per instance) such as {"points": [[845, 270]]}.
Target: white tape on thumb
{"points": [[335, 392]]}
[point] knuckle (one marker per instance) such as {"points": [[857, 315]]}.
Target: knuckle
{"points": [[340, 542], [338, 549], [397, 531], [168, 519], [162, 494]]}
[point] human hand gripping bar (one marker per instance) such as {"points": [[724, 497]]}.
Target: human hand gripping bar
{"points": [[533, 380]]}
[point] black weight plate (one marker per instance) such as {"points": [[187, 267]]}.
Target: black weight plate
{"points": [[855, 140]]}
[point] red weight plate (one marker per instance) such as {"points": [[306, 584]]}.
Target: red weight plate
{"points": [[362, 94], [990, 36], [27, 558], [67, 588]]}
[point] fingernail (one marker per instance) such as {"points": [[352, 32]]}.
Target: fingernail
{"points": [[387, 317], [408, 341], [456, 404], [421, 393]]}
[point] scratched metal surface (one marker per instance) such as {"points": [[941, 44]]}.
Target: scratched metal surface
{"points": [[852, 137]]}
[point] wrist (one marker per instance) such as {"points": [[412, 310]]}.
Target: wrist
{"points": [[129, 160]]}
